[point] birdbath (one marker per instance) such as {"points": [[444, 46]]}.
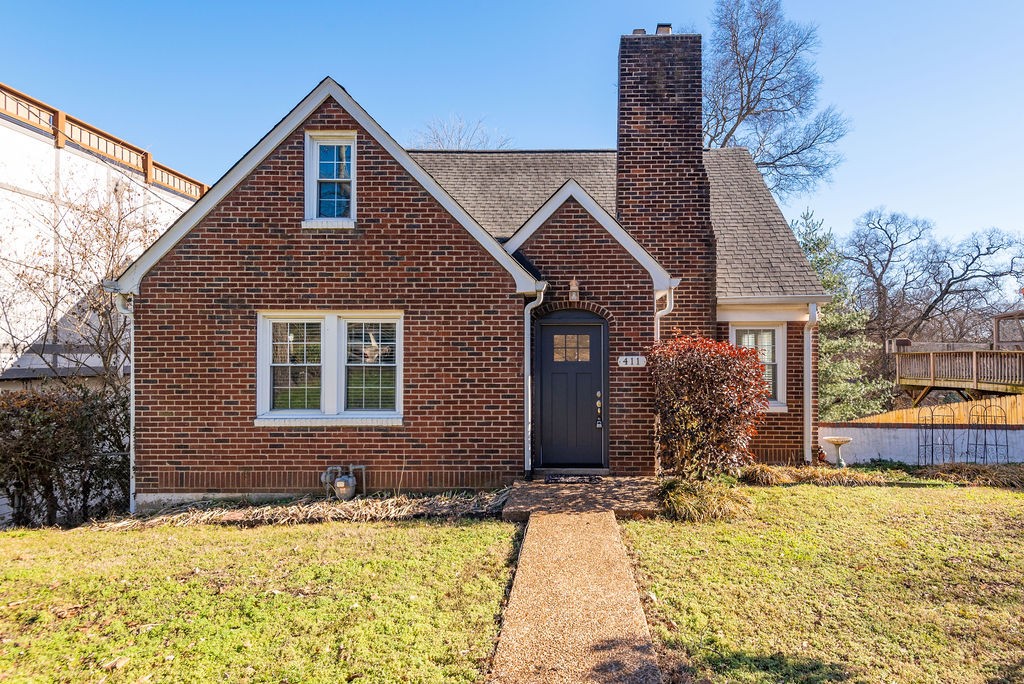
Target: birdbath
{"points": [[838, 443]]}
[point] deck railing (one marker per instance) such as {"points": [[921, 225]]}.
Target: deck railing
{"points": [[995, 371], [64, 128]]}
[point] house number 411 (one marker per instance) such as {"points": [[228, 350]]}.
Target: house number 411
{"points": [[632, 361]]}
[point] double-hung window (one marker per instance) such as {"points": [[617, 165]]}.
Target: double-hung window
{"points": [[330, 187], [317, 368], [769, 341], [295, 365], [371, 365]]}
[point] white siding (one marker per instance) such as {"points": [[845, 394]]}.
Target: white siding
{"points": [[32, 171]]}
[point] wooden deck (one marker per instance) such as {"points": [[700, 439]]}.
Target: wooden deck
{"points": [[1000, 372], [65, 128]]}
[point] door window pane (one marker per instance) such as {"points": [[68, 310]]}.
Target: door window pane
{"points": [[571, 348]]}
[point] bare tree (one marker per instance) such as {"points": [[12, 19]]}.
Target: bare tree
{"points": [[457, 133], [56, 311], [914, 285], [846, 388], [760, 92], [69, 333]]}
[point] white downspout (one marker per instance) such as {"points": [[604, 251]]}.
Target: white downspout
{"points": [[669, 305], [528, 376], [812, 322], [123, 308]]}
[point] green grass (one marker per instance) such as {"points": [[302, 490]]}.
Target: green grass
{"points": [[867, 584], [413, 602]]}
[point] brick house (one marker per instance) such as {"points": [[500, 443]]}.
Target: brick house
{"points": [[458, 319]]}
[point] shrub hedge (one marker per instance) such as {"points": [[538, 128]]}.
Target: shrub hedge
{"points": [[63, 453]]}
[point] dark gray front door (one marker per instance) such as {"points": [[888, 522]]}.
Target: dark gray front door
{"points": [[572, 389]]}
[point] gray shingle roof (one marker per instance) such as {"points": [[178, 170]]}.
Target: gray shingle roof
{"points": [[757, 253], [503, 189]]}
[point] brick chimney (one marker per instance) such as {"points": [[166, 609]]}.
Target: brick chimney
{"points": [[662, 193]]}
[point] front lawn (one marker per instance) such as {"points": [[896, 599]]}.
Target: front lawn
{"points": [[821, 584], [376, 602]]}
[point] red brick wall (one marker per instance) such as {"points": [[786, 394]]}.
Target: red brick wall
{"points": [[572, 244], [663, 199], [195, 334], [780, 439], [662, 193]]}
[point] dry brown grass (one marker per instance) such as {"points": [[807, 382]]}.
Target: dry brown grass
{"points": [[772, 476], [314, 510], [691, 501], [763, 475], [1009, 476]]}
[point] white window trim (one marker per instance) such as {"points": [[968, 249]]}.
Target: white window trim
{"points": [[781, 353], [332, 383], [312, 174]]}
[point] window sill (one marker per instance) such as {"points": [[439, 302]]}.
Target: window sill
{"points": [[343, 223], [776, 407], [269, 420]]}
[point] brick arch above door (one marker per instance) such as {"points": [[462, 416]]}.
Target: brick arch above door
{"points": [[562, 305]]}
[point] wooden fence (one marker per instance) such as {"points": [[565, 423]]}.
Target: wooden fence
{"points": [[960, 412], [65, 128]]}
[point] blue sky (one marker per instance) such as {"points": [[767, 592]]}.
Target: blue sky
{"points": [[931, 87]]}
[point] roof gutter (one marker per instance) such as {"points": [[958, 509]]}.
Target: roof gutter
{"points": [[778, 299], [121, 298], [669, 305]]}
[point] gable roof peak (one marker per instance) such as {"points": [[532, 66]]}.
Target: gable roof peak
{"points": [[572, 190], [130, 280]]}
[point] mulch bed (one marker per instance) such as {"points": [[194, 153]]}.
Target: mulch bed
{"points": [[317, 510]]}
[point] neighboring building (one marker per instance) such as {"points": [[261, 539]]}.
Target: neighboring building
{"points": [[458, 319], [48, 161]]}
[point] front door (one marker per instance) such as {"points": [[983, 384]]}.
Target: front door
{"points": [[572, 390]]}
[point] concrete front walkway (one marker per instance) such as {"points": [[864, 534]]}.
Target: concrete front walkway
{"points": [[574, 614]]}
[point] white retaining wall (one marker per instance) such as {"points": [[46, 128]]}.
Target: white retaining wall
{"points": [[899, 442]]}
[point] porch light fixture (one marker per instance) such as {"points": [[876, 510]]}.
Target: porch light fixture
{"points": [[574, 290]]}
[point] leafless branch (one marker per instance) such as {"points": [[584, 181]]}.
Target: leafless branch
{"points": [[458, 133], [55, 309], [760, 92], [915, 285]]}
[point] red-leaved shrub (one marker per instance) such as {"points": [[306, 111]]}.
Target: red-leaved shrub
{"points": [[709, 398]]}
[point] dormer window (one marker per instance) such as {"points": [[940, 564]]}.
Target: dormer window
{"points": [[330, 186]]}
